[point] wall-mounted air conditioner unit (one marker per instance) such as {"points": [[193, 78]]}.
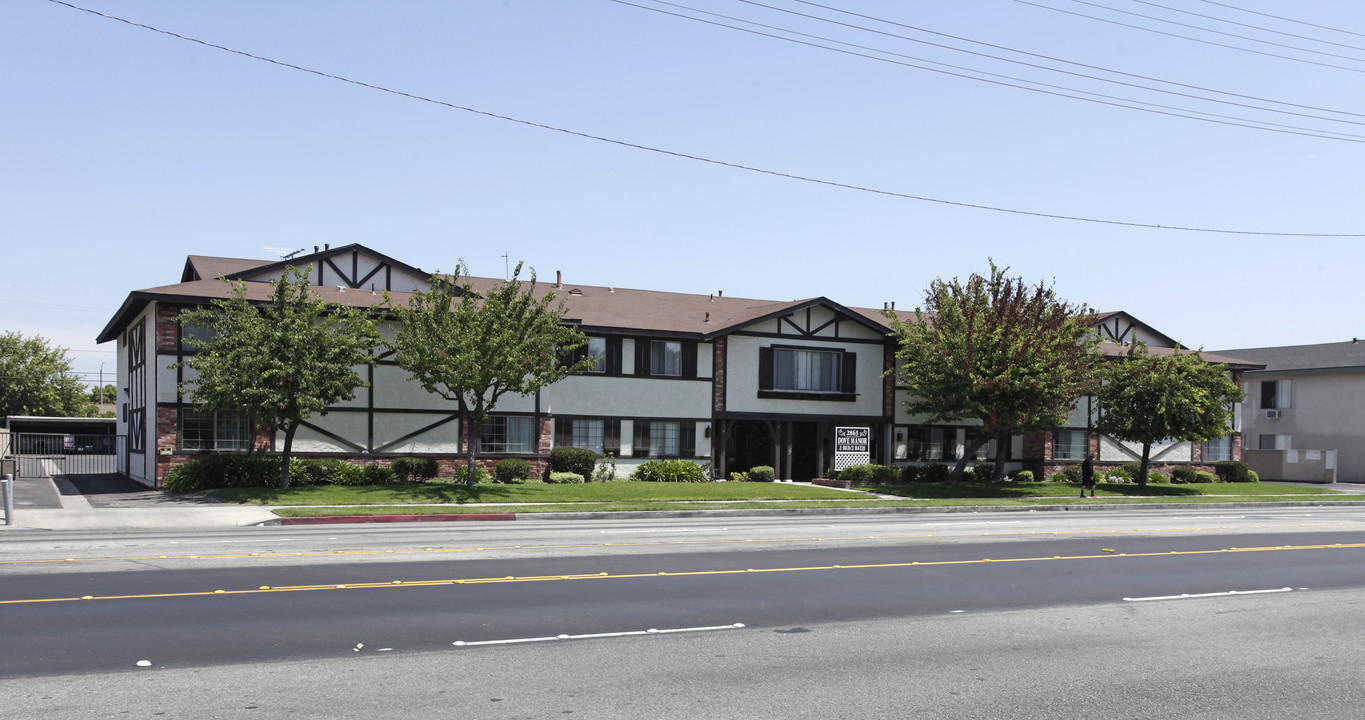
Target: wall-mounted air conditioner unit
{"points": [[1272, 414]]}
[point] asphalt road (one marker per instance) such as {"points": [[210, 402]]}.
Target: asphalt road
{"points": [[1026, 615]]}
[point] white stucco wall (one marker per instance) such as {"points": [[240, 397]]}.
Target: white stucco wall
{"points": [[628, 396], [1326, 413], [742, 363]]}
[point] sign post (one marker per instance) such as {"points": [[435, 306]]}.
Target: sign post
{"points": [[852, 446]]}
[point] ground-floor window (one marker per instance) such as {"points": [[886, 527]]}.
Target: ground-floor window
{"points": [[508, 434], [220, 430], [663, 438], [1069, 445], [1218, 449], [587, 434]]}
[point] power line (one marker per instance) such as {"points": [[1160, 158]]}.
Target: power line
{"points": [[1280, 17], [1193, 39], [1045, 57], [697, 158], [1010, 81], [1247, 25]]}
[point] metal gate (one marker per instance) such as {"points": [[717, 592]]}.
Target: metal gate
{"points": [[41, 455]]}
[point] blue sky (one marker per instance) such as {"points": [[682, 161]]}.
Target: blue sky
{"points": [[124, 150]]}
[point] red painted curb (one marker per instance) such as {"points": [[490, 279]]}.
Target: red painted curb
{"points": [[340, 519]]}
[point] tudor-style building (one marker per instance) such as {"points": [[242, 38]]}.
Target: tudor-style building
{"points": [[733, 382]]}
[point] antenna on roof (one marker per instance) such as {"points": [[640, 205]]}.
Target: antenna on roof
{"points": [[284, 253], [505, 271]]}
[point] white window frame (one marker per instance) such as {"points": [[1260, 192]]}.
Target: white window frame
{"points": [[227, 430]]}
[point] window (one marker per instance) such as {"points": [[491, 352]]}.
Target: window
{"points": [[663, 439], [597, 349], [986, 451], [587, 434], [1069, 445], [1275, 394], [1218, 449], [221, 430], [508, 434], [805, 370], [195, 332], [807, 373], [933, 445], [665, 358], [1274, 442]]}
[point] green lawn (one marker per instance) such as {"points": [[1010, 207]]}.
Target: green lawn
{"points": [[613, 492], [637, 496]]}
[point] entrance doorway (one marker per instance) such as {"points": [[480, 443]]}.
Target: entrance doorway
{"points": [[793, 449]]}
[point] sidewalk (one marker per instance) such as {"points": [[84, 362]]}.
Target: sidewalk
{"points": [[107, 502]]}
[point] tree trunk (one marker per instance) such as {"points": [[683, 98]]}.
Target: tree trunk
{"points": [[1142, 470], [956, 476], [284, 458], [1002, 453], [471, 477]]}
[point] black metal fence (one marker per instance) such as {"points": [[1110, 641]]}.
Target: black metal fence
{"points": [[49, 454]]}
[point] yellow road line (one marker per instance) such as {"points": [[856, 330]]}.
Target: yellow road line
{"points": [[325, 553], [607, 576]]}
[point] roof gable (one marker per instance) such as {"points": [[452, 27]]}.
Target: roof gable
{"points": [[350, 266]]}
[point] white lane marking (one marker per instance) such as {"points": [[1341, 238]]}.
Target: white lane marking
{"points": [[979, 522], [1230, 593], [651, 631], [655, 530], [1211, 517]]}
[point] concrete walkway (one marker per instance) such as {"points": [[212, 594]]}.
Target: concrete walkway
{"points": [[105, 502]]}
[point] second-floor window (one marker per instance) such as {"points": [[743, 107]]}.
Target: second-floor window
{"points": [[1276, 394], [806, 370], [665, 358]]}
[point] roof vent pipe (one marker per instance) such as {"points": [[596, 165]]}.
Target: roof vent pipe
{"points": [[708, 318], [720, 293], [559, 278], [315, 248], [893, 306], [327, 246]]}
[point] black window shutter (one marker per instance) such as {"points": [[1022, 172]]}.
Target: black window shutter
{"points": [[849, 383], [689, 359], [614, 356], [611, 436], [641, 448], [765, 368], [687, 439], [642, 357], [563, 432]]}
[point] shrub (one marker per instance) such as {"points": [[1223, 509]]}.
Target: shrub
{"points": [[1252, 476], [910, 473], [1121, 474], [869, 474], [762, 473], [512, 470], [832, 474], [605, 470], [1205, 477], [1232, 471], [378, 475], [1132, 468], [984, 471], [1112, 478], [183, 478], [1182, 474], [1024, 476], [936, 472], [408, 469], [574, 460], [481, 476], [669, 471], [739, 476], [565, 478], [1157, 478], [1058, 478], [1070, 474]]}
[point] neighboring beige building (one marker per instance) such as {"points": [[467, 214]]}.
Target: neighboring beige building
{"points": [[1309, 398]]}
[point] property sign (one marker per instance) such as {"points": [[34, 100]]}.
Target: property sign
{"points": [[69, 442], [852, 446]]}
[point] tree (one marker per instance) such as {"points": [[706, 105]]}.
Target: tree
{"points": [[1148, 398], [472, 349], [1014, 357], [280, 361], [36, 379], [103, 395]]}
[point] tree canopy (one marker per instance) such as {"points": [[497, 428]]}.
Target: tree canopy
{"points": [[473, 349], [1147, 398], [278, 362], [1013, 356], [36, 379]]}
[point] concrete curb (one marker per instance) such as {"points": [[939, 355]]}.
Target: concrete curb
{"points": [[788, 512]]}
